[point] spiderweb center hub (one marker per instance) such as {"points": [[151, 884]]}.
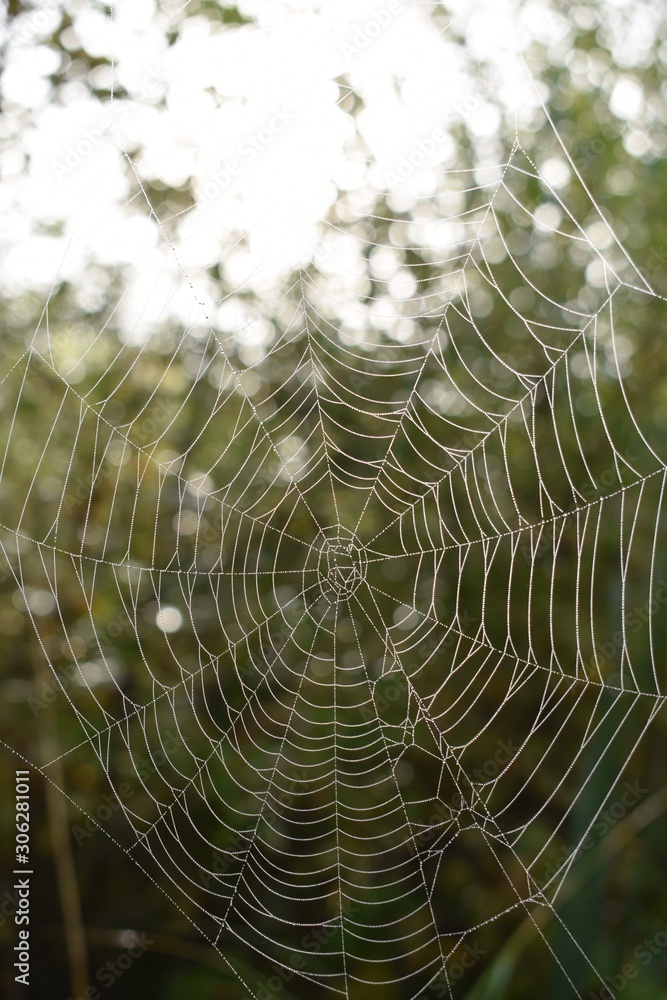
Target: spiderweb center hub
{"points": [[341, 563]]}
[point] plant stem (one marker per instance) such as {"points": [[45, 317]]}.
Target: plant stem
{"points": [[63, 859]]}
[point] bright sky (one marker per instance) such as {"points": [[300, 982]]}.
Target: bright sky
{"points": [[254, 117]]}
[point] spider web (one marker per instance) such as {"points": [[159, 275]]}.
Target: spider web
{"points": [[326, 582]]}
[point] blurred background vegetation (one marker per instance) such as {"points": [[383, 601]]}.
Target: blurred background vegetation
{"points": [[111, 458]]}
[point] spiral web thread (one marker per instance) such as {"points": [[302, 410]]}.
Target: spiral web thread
{"points": [[307, 645]]}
